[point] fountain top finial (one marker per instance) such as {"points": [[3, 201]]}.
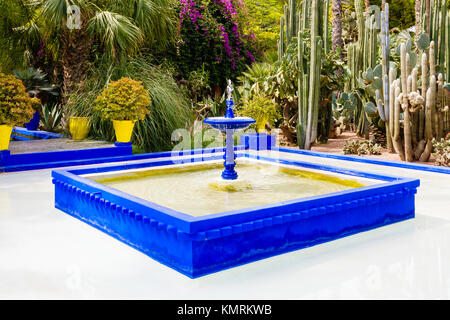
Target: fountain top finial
{"points": [[229, 90]]}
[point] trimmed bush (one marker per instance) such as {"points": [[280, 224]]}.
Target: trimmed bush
{"points": [[16, 106], [124, 99]]}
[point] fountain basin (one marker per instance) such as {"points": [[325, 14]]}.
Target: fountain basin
{"points": [[223, 123], [199, 244]]}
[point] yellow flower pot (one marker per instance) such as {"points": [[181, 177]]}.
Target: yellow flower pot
{"points": [[124, 130], [79, 127], [5, 136], [261, 126]]}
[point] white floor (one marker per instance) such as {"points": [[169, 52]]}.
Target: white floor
{"points": [[46, 254]]}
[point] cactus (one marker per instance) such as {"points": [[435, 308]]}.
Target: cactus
{"points": [[308, 92], [362, 56], [447, 46], [420, 126], [326, 44], [387, 78], [437, 26], [413, 115], [314, 77], [405, 104], [289, 26], [442, 44], [281, 46]]}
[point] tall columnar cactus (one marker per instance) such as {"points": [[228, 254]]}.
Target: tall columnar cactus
{"points": [[405, 104], [289, 27], [361, 56], [313, 77], [311, 17], [387, 79], [442, 24], [281, 46], [326, 44], [447, 50], [437, 26]]}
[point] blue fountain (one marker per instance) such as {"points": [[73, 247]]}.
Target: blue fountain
{"points": [[228, 125]]}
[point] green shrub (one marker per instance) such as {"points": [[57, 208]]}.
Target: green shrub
{"points": [[16, 106], [124, 99], [260, 108]]}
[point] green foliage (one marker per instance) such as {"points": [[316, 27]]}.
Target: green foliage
{"points": [[35, 32], [15, 45], [442, 152], [260, 108], [402, 14], [124, 99], [36, 82], [198, 83], [264, 19], [362, 147], [51, 117], [16, 106], [254, 81], [169, 109]]}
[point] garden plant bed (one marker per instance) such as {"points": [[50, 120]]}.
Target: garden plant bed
{"points": [[200, 245], [336, 145], [51, 145], [52, 153]]}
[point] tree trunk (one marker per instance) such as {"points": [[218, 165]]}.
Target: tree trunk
{"points": [[75, 53], [417, 9], [336, 10]]}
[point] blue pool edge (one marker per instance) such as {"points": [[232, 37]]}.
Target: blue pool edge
{"points": [[196, 246]]}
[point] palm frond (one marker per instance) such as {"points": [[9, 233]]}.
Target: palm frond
{"points": [[154, 17], [116, 32], [55, 11]]}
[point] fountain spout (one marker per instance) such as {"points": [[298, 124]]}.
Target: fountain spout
{"points": [[229, 90]]}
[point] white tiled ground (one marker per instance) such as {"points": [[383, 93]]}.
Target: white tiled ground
{"points": [[46, 254]]}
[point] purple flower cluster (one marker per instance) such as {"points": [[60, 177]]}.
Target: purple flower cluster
{"points": [[229, 32], [226, 42], [189, 10]]}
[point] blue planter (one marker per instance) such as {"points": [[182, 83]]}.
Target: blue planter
{"points": [[34, 123]]}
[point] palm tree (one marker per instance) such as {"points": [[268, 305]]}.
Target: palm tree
{"points": [[13, 47], [417, 8], [337, 41], [118, 28]]}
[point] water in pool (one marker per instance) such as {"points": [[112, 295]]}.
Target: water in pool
{"points": [[199, 190]]}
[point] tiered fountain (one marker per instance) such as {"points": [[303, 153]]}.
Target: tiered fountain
{"points": [[229, 124]]}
